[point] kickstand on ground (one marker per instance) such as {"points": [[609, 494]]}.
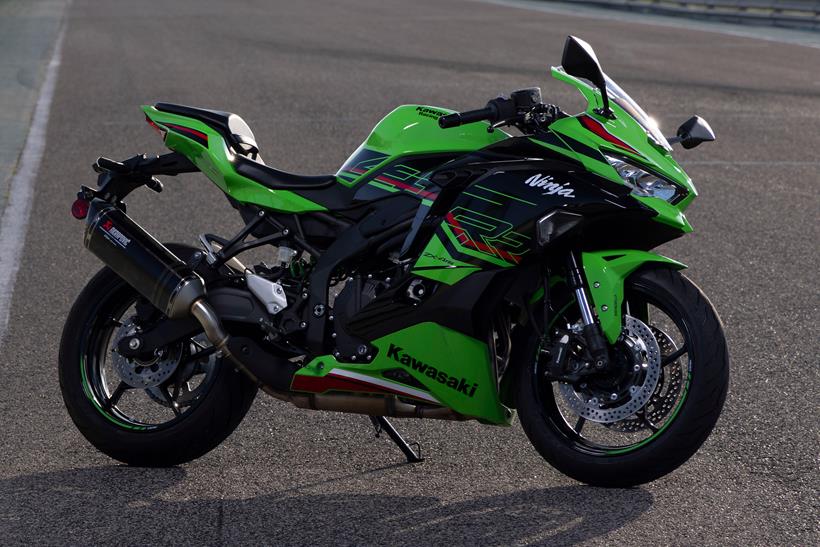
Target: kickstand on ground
{"points": [[383, 424]]}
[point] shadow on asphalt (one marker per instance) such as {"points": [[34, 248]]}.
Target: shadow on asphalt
{"points": [[138, 506]]}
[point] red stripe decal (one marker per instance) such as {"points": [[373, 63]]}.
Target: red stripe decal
{"points": [[188, 130], [329, 383], [398, 184], [339, 383], [597, 128], [464, 239]]}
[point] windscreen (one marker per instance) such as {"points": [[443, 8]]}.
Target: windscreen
{"points": [[622, 99]]}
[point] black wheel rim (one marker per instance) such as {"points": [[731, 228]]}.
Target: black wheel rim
{"points": [[163, 405], [575, 430]]}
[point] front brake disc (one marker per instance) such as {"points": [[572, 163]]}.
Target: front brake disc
{"points": [[663, 399], [603, 411]]}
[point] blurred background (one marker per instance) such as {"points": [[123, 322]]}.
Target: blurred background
{"points": [[312, 78]]}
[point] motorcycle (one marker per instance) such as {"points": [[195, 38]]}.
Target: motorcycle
{"points": [[449, 270]]}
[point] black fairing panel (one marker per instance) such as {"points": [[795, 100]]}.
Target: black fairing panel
{"points": [[492, 222]]}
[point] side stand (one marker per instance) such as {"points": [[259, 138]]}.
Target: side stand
{"points": [[383, 424]]}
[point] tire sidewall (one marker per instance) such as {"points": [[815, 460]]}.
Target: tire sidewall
{"points": [[678, 441], [201, 428]]}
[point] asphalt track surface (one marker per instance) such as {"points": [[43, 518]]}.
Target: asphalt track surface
{"points": [[312, 79]]}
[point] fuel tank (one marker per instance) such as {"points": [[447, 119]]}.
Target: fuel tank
{"points": [[403, 149]]}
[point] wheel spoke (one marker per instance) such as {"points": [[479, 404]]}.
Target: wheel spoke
{"points": [[579, 424], [198, 355], [671, 358], [642, 415], [116, 395], [168, 399], [637, 309]]}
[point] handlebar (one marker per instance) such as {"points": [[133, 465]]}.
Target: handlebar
{"points": [[501, 109], [470, 116]]}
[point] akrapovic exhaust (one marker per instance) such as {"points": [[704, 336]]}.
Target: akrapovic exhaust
{"points": [[174, 288], [142, 261]]}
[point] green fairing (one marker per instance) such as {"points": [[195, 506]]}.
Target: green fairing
{"points": [[650, 155], [216, 163], [444, 351], [413, 129], [436, 263], [605, 273]]}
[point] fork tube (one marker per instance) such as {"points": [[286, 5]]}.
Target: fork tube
{"points": [[592, 334], [577, 284]]}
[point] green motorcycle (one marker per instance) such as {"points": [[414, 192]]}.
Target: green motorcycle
{"points": [[448, 270]]}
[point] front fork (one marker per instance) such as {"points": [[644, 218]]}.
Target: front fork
{"points": [[602, 275], [596, 343]]}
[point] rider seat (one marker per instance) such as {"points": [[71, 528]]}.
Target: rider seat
{"points": [[240, 138]]}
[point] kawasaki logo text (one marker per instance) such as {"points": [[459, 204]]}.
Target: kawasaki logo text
{"points": [[462, 385]]}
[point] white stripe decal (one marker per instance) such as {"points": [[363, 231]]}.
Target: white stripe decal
{"points": [[409, 391]]}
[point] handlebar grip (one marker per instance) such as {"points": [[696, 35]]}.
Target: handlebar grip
{"points": [[450, 120], [470, 116]]}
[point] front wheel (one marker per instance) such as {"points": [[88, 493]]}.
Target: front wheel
{"points": [[161, 410], [655, 407]]}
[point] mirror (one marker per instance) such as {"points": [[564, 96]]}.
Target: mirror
{"points": [[579, 60], [692, 132]]}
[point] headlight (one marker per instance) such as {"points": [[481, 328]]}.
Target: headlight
{"points": [[642, 182]]}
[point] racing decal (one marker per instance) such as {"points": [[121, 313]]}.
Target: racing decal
{"points": [[196, 136], [461, 385], [549, 186], [346, 380], [358, 164], [488, 235], [113, 235], [598, 128], [428, 112], [408, 179]]}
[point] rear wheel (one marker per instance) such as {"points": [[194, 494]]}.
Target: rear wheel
{"points": [[164, 410], [654, 408]]}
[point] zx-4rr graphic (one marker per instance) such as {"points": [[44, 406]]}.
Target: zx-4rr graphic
{"points": [[459, 266]]}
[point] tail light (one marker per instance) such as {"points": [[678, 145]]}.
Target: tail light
{"points": [[79, 209]]}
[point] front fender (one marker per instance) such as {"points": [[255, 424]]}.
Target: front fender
{"points": [[605, 273]]}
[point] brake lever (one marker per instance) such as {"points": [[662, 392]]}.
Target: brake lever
{"points": [[492, 127]]}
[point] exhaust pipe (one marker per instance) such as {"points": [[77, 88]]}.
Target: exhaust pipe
{"points": [[174, 288], [142, 261], [171, 286]]}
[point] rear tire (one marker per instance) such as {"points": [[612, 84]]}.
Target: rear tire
{"points": [[689, 425], [195, 432]]}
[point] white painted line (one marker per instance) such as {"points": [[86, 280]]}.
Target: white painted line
{"points": [[14, 222]]}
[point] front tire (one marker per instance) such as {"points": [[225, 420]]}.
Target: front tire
{"points": [[685, 427], [166, 433]]}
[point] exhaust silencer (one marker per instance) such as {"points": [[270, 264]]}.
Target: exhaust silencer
{"points": [[142, 261]]}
